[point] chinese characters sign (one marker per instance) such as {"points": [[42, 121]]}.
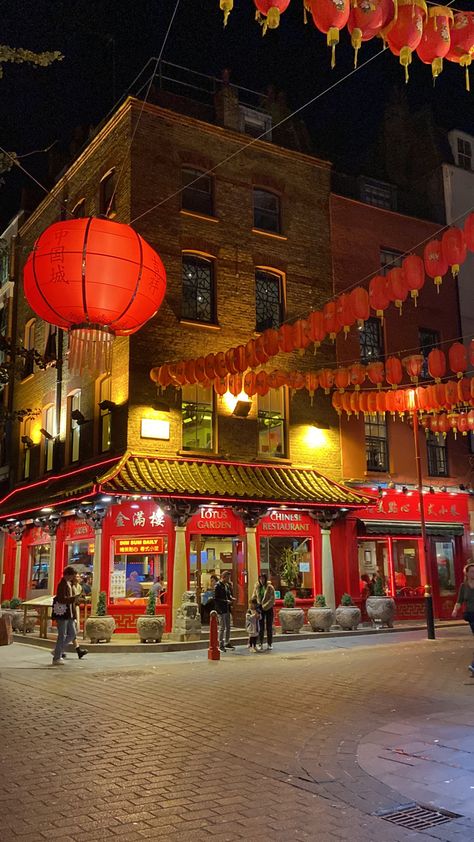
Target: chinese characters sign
{"points": [[439, 507], [139, 546]]}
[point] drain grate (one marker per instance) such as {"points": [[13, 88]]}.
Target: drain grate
{"points": [[417, 817]]}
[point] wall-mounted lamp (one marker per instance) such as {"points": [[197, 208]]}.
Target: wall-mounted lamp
{"points": [[27, 441], [242, 409], [107, 406], [46, 435], [78, 417]]}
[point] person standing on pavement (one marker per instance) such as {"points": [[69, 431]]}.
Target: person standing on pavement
{"points": [[223, 600], [64, 612], [264, 593], [466, 598], [252, 624]]}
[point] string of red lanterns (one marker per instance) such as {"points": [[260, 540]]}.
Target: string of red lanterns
{"points": [[405, 26]]}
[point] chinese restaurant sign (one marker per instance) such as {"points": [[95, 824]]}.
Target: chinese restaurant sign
{"points": [[439, 507], [138, 546], [283, 521]]}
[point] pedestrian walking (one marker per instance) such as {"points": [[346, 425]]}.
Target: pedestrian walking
{"points": [[264, 593], [466, 598], [65, 614], [252, 624], [223, 600]]}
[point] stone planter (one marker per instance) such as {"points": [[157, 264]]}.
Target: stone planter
{"points": [[291, 619], [100, 629], [381, 609], [320, 619], [150, 628], [17, 621], [348, 616]]}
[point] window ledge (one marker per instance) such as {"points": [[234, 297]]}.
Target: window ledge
{"points": [[204, 325], [196, 215], [269, 234], [209, 454], [277, 460]]}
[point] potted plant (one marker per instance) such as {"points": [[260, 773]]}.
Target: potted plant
{"points": [[20, 623], [347, 614], [100, 626], [291, 618], [150, 626], [320, 616], [289, 567], [380, 607]]}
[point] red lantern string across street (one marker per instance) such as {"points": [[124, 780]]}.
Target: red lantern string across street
{"points": [[404, 34], [366, 20], [454, 249], [269, 11], [437, 364], [457, 356], [378, 295], [330, 16], [97, 279], [436, 39], [414, 273], [397, 287], [436, 264], [462, 42]]}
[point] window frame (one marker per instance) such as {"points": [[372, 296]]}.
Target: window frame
{"points": [[110, 177], [435, 446], [275, 273], [463, 156], [278, 231], [427, 346], [103, 393], [379, 355], [73, 428], [284, 418], [25, 430], [29, 344], [204, 260], [192, 189], [48, 423], [370, 425], [209, 406], [395, 260]]}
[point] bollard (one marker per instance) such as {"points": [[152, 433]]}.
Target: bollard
{"points": [[430, 626], [213, 653], [6, 634]]}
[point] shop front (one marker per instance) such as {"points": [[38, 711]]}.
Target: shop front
{"points": [[389, 545]]}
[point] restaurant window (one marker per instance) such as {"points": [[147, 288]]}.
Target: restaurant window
{"points": [[371, 341], [464, 154], [105, 414], [107, 194], [437, 453], [268, 300], [39, 570], [48, 440], [198, 303], [79, 209], [428, 340], [373, 564], [136, 566], [80, 554], [197, 414], [74, 405], [196, 195], [266, 211], [29, 344], [406, 567], [288, 563], [389, 259], [271, 423], [445, 564], [376, 442]]}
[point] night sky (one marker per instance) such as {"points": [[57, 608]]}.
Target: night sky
{"points": [[106, 44]]}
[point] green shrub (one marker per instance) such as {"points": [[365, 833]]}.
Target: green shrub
{"points": [[379, 589], [15, 602], [289, 600], [101, 605], [346, 599], [151, 604], [6, 603], [320, 601]]}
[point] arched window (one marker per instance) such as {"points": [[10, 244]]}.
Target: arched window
{"points": [[266, 211], [73, 426], [268, 299], [107, 194], [48, 436], [197, 193], [104, 393], [29, 344], [27, 444], [198, 304]]}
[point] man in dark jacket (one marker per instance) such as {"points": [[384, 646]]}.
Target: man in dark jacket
{"points": [[64, 612], [223, 599]]}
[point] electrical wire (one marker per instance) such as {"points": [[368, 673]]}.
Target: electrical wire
{"points": [[16, 162]]}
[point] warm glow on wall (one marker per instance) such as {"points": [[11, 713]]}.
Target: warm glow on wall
{"points": [[35, 431], [154, 428], [230, 400], [316, 437]]}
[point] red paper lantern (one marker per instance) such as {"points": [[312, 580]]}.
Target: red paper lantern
{"points": [[360, 304], [363, 401], [436, 264], [400, 401], [154, 374], [346, 402], [357, 373], [337, 402], [413, 365], [260, 352], [200, 369], [209, 367], [270, 342], [464, 390], [251, 360], [378, 295], [393, 371], [376, 373], [301, 335], [164, 378], [443, 424], [437, 364], [330, 16], [414, 273], [269, 11], [397, 287], [220, 385], [457, 356], [285, 338], [230, 361], [190, 372], [235, 384], [345, 314], [436, 38], [422, 396], [262, 384], [366, 20], [97, 279], [311, 382], [250, 383], [470, 419], [450, 393], [342, 378], [326, 379], [317, 328], [220, 365], [380, 402], [469, 231], [372, 402], [355, 403], [404, 34], [180, 373], [463, 424], [240, 361], [462, 41], [434, 421], [330, 319], [296, 380], [454, 249]]}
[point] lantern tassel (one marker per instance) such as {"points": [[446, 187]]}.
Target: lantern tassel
{"points": [[90, 348]]}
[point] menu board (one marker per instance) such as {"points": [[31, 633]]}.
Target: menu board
{"points": [[139, 546]]}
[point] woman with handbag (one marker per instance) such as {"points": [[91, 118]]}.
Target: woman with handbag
{"points": [[65, 614], [466, 598]]}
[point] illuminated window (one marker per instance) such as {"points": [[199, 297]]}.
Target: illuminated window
{"points": [[371, 341], [105, 415], [266, 211], [376, 442], [288, 563], [74, 403], [437, 453], [197, 414], [29, 344], [196, 192], [40, 555], [390, 259], [48, 443], [198, 302], [107, 194], [268, 299], [79, 209], [271, 424]]}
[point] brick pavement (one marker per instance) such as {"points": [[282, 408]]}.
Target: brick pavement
{"points": [[254, 747]]}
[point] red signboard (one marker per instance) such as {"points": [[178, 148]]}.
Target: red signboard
{"points": [[139, 546], [215, 520], [77, 529], [439, 507]]}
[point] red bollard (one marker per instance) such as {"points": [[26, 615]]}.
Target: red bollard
{"points": [[213, 653]]}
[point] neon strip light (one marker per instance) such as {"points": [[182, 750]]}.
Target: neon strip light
{"points": [[55, 477], [223, 500], [58, 503]]}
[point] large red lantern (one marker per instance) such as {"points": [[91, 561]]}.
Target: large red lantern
{"points": [[462, 41], [240, 361], [330, 16], [360, 305], [414, 272], [450, 393], [230, 361], [220, 366], [457, 356], [220, 385], [235, 384], [464, 391], [251, 360], [413, 365], [436, 39], [393, 372], [436, 264], [454, 249], [250, 383], [378, 295], [437, 364], [355, 403], [346, 401], [262, 383], [376, 373], [463, 423], [97, 279], [317, 328], [443, 424], [367, 18], [397, 287], [301, 336], [404, 34], [269, 11], [209, 368]]}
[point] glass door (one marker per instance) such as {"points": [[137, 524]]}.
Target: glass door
{"points": [[444, 579]]}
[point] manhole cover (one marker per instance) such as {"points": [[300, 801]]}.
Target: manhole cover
{"points": [[417, 817]]}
